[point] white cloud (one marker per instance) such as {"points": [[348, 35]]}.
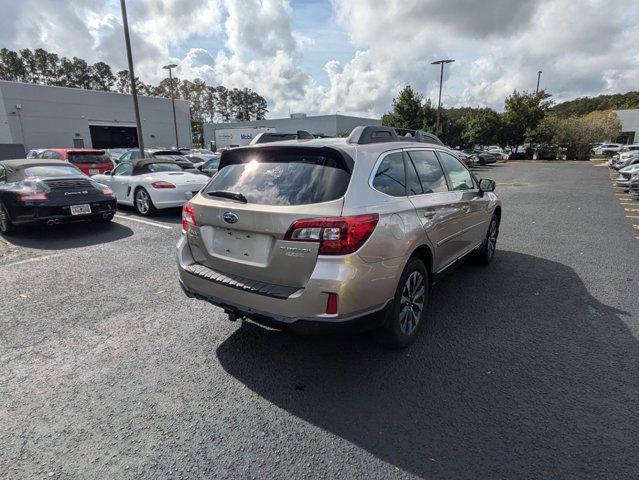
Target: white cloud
{"points": [[584, 47]]}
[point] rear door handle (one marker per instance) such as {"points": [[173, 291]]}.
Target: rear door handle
{"points": [[429, 214]]}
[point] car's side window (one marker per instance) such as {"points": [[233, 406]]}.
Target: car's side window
{"points": [[125, 157], [390, 177], [429, 171], [413, 185], [123, 169], [3, 175], [460, 177]]}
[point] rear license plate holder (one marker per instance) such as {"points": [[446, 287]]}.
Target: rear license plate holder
{"points": [[83, 209]]}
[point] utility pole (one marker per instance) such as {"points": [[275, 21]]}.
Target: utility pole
{"points": [[538, 78], [441, 81], [169, 67], [134, 90]]}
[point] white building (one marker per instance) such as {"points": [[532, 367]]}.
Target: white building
{"points": [[629, 124], [40, 116], [328, 125]]}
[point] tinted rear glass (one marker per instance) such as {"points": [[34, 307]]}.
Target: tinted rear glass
{"points": [[282, 176], [163, 167], [52, 171], [88, 158]]}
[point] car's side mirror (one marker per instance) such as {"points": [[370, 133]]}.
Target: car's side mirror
{"points": [[108, 172], [486, 185]]}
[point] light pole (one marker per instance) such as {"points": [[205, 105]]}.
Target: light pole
{"points": [[538, 78], [134, 90], [169, 67], [441, 81]]}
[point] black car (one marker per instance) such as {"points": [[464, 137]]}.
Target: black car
{"points": [[50, 192], [174, 155]]}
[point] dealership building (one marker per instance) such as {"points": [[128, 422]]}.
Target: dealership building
{"points": [[40, 116], [325, 125], [629, 125]]}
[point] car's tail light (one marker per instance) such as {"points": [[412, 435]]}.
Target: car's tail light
{"points": [[331, 304], [188, 217], [336, 235], [162, 184], [32, 196]]}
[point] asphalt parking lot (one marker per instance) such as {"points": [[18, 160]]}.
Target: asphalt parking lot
{"points": [[528, 368]]}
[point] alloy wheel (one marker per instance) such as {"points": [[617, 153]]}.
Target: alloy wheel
{"points": [[492, 238], [142, 201], [4, 221], [412, 303]]}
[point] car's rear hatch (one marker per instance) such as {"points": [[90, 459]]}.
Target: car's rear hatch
{"points": [[90, 162], [246, 209]]}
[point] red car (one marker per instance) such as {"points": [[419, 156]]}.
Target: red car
{"points": [[91, 162]]}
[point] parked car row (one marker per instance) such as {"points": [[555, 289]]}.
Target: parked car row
{"points": [[627, 163]]}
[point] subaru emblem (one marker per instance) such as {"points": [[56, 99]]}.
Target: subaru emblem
{"points": [[230, 217]]}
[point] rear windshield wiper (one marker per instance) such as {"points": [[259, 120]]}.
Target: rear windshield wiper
{"points": [[225, 194]]}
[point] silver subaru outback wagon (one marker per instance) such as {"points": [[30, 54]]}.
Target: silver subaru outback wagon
{"points": [[328, 233]]}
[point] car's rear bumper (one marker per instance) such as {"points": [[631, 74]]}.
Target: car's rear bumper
{"points": [[363, 290], [356, 323], [170, 198], [45, 214]]}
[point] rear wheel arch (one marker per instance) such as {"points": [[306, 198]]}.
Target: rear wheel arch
{"points": [[424, 253]]}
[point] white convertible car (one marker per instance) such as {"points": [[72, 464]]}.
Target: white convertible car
{"points": [[152, 183]]}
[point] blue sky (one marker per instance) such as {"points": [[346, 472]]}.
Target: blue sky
{"points": [[352, 56]]}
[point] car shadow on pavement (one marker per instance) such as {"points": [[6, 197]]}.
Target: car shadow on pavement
{"points": [[72, 235], [519, 373]]}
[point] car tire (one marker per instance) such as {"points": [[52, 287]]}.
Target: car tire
{"points": [[486, 253], [143, 203], [404, 318], [6, 225]]}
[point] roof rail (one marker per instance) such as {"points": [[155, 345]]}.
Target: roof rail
{"points": [[377, 134]]}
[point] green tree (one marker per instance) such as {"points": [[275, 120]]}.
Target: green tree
{"points": [[408, 110], [480, 127], [11, 66], [102, 77], [579, 133], [523, 113]]}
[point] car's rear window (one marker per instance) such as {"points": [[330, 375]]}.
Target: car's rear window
{"points": [[52, 171], [282, 176], [163, 167], [88, 158]]}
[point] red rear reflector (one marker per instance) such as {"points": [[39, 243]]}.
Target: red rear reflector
{"points": [[336, 235], [331, 304]]}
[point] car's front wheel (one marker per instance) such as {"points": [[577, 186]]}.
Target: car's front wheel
{"points": [[143, 203], [486, 253], [405, 318]]}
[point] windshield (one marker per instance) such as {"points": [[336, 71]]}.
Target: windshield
{"points": [[282, 176], [163, 167], [52, 171], [88, 158], [212, 164]]}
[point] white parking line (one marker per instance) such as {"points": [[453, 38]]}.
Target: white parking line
{"points": [[35, 259], [148, 222]]}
